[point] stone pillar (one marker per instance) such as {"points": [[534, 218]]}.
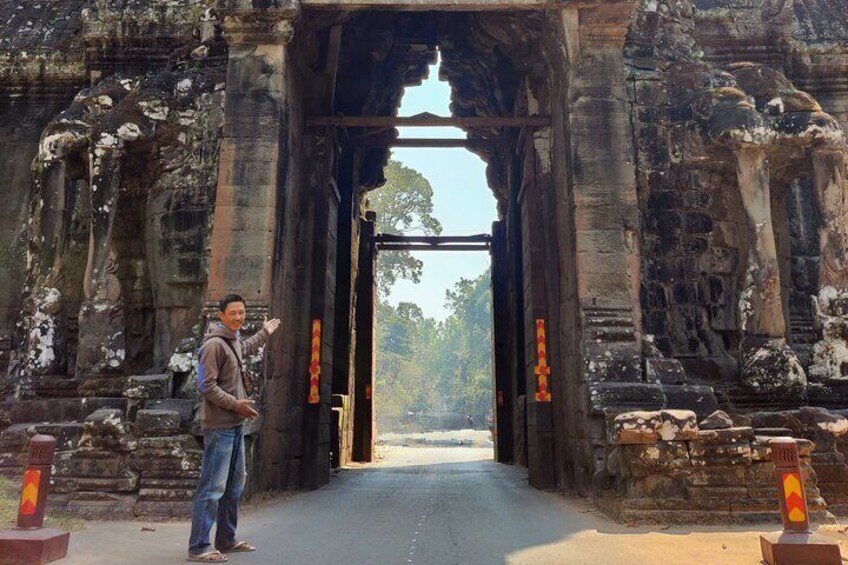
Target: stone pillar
{"points": [[830, 355], [504, 389], [537, 271], [830, 189], [251, 174], [604, 177], [761, 304], [252, 179], [606, 224], [101, 317], [767, 362], [364, 429]]}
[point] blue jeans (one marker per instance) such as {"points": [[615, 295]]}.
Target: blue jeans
{"points": [[222, 478]]}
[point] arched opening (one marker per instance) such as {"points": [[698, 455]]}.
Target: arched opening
{"points": [[497, 84], [433, 348]]}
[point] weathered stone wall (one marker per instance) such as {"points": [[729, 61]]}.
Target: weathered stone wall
{"points": [[670, 468], [41, 69]]}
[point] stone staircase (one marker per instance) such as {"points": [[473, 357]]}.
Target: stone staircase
{"points": [[804, 335]]}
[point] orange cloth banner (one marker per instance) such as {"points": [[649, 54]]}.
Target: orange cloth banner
{"points": [[543, 393], [315, 364]]}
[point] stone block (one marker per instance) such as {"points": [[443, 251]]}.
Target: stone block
{"points": [[127, 481], [783, 420], [699, 399], [771, 364], [90, 463], [656, 486], [664, 371], [768, 433], [16, 437], [635, 428], [722, 493], [109, 386], [102, 347], [664, 457], [107, 429], [184, 407], [166, 494], [727, 436], [175, 457], [677, 425], [58, 409], [13, 461], [156, 423], [612, 362], [717, 476], [718, 420], [615, 398], [149, 386], [712, 453], [825, 420], [169, 444]]}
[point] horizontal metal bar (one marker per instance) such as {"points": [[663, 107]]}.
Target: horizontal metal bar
{"points": [[414, 247], [431, 239], [426, 121]]}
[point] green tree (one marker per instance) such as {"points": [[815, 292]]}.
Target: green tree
{"points": [[404, 206], [424, 366], [466, 358]]}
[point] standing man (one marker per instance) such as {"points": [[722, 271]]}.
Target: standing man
{"points": [[226, 406]]}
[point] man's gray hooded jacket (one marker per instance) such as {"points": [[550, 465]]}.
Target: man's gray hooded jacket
{"points": [[219, 378]]}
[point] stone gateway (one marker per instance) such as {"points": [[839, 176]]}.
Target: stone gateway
{"points": [[673, 218]]}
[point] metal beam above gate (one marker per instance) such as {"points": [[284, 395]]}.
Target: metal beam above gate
{"points": [[389, 242]]}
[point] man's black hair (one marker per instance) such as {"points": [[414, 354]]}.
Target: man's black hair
{"points": [[229, 299]]}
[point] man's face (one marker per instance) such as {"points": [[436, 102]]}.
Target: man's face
{"points": [[233, 316]]}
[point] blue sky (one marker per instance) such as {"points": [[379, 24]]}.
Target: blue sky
{"points": [[462, 201]]}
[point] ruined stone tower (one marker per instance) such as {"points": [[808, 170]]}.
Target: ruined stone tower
{"points": [[671, 187]]}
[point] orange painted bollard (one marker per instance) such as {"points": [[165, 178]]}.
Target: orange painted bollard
{"points": [[796, 545], [30, 543], [36, 482]]}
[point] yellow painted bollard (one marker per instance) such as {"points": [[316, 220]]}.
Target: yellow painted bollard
{"points": [[796, 545], [30, 543]]}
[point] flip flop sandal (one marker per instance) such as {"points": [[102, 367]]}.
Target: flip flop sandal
{"points": [[211, 556], [240, 546]]}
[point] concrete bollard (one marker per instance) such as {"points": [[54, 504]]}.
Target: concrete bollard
{"points": [[796, 545], [30, 543]]}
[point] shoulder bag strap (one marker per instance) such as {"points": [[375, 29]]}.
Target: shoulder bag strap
{"points": [[233, 349]]}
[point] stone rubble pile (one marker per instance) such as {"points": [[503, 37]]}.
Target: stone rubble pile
{"points": [[666, 467]]}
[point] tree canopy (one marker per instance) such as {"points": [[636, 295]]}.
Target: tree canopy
{"points": [[404, 206], [426, 367]]}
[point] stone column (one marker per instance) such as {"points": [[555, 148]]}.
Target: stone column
{"points": [[101, 317], [252, 179], [830, 355], [251, 174], [766, 360], [605, 221], [43, 350], [830, 189], [761, 304]]}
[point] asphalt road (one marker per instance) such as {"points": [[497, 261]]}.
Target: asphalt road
{"points": [[434, 506]]}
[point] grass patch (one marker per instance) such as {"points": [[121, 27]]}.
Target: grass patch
{"points": [[10, 495]]}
